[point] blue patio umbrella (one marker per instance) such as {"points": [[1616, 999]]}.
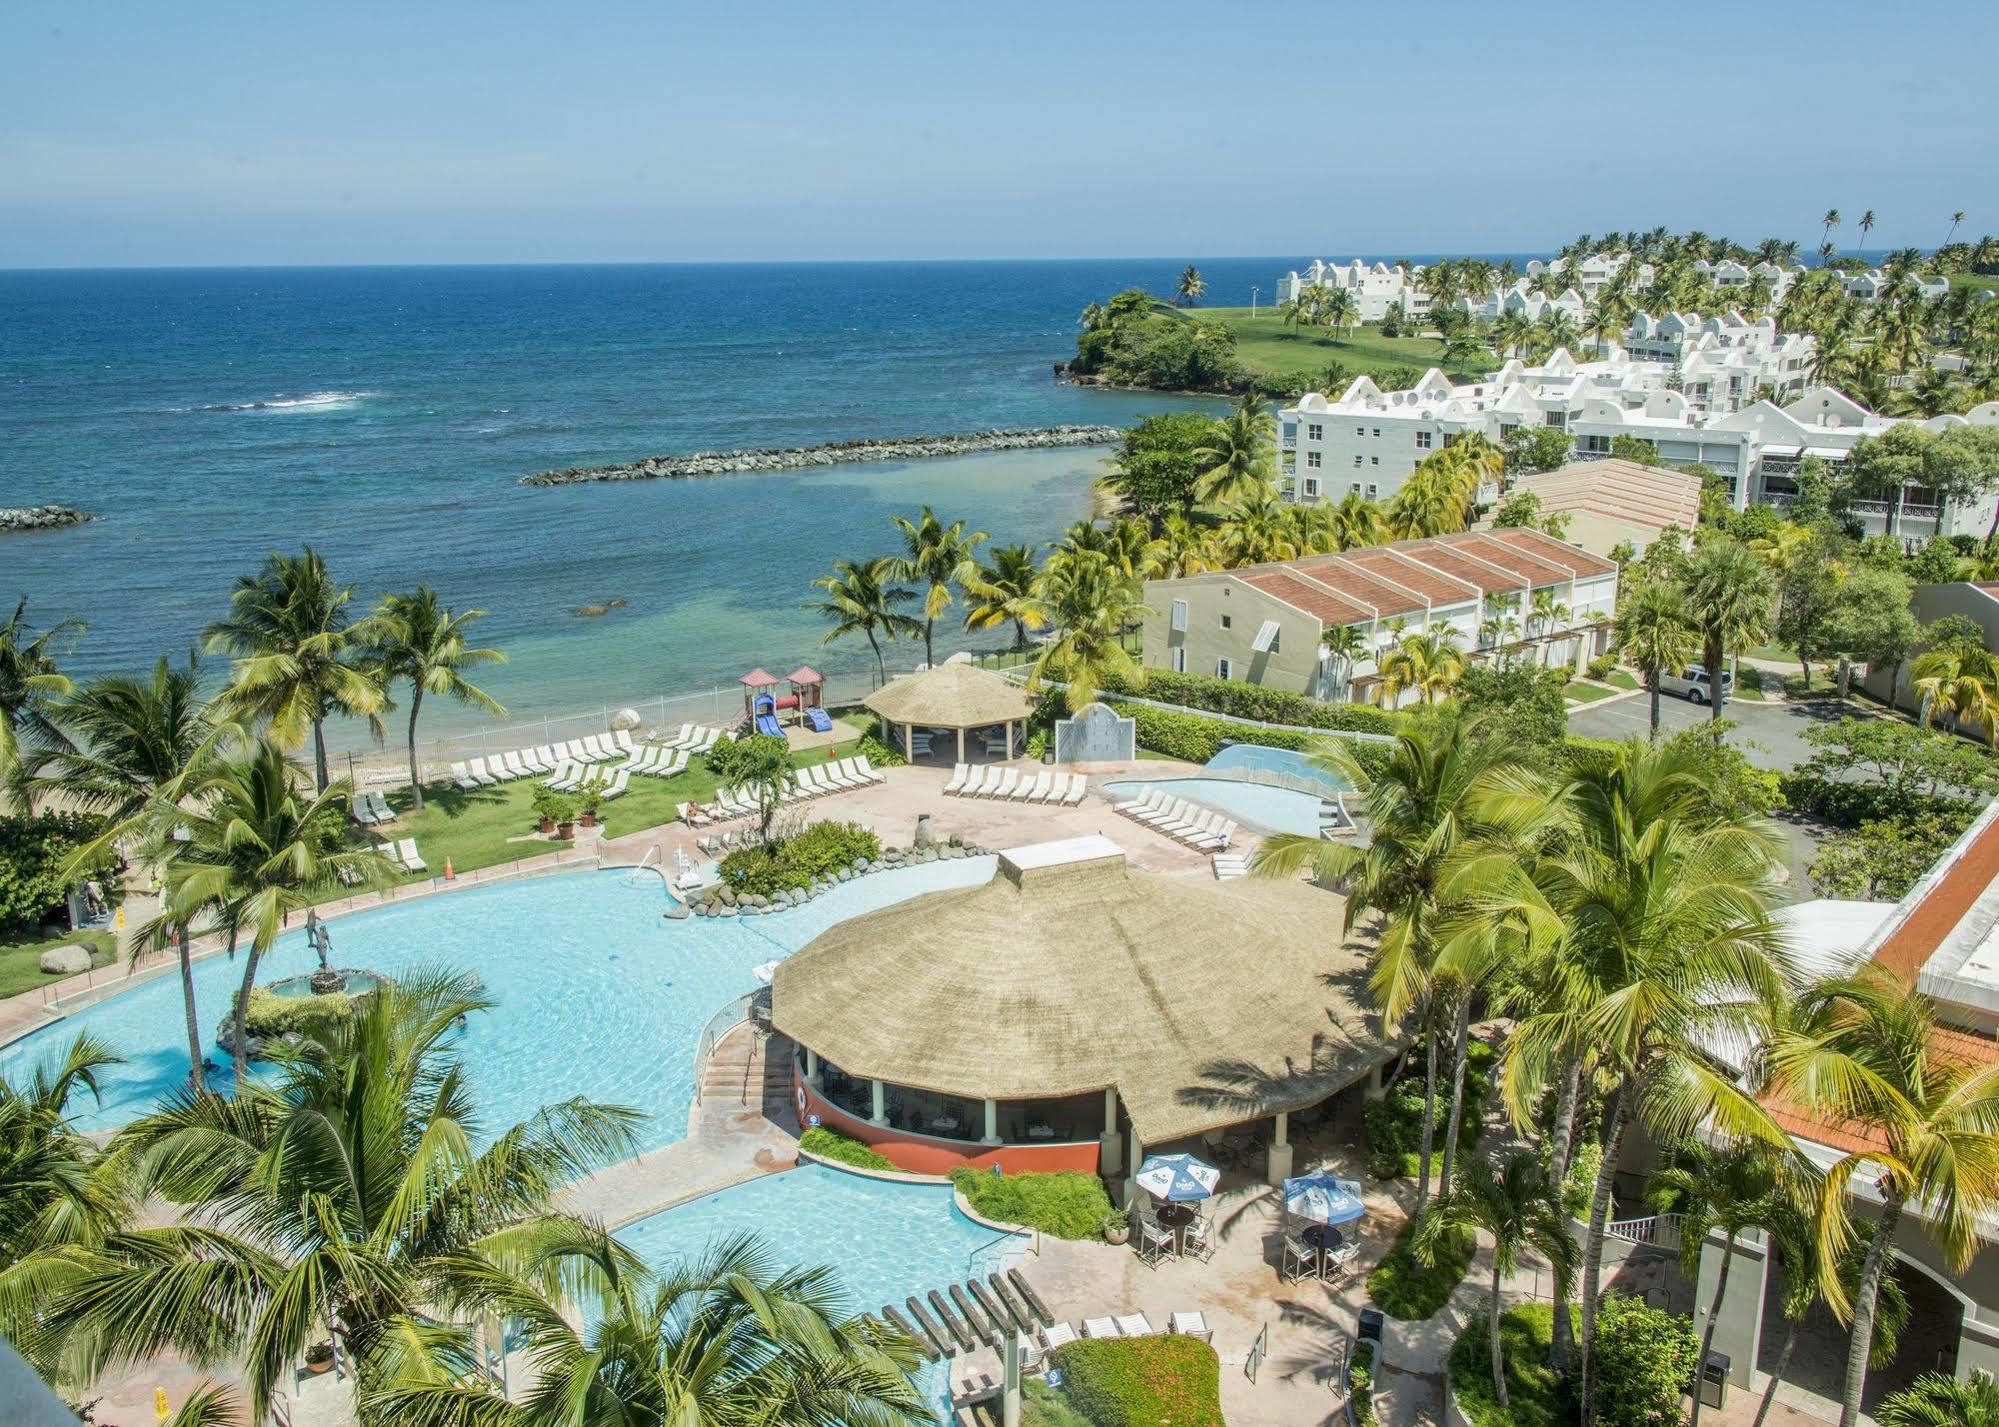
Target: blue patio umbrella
{"points": [[1177, 1177], [1324, 1199]]}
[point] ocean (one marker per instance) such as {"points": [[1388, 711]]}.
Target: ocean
{"points": [[385, 416]]}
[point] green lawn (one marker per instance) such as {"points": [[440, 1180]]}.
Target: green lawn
{"points": [[1974, 280], [482, 827], [1624, 679], [1265, 343], [1405, 1287], [1578, 692], [19, 971]]}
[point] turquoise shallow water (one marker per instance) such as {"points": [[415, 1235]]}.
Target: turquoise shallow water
{"points": [[1279, 760], [597, 994]]}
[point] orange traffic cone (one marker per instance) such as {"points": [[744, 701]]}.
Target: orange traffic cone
{"points": [[448, 873]]}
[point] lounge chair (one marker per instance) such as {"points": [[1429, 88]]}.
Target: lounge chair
{"points": [[811, 784], [593, 748], [461, 776], [693, 814], [406, 849], [856, 775], [1200, 827], [1028, 789], [563, 778], [382, 808], [511, 762], [960, 775], [480, 775], [540, 759], [867, 770], [1056, 1334], [1193, 1325], [1058, 784], [678, 740], [1135, 1325], [674, 765], [833, 779], [1101, 1328], [1004, 787], [616, 787], [1176, 811], [1144, 803], [1231, 865], [388, 850], [621, 741], [1078, 786]]}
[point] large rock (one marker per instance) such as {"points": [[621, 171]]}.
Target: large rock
{"points": [[65, 960], [41, 517]]}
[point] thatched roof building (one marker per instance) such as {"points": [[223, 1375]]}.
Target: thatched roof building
{"points": [[951, 696], [1203, 1004]]}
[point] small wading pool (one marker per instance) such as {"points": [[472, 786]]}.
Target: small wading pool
{"points": [[883, 1240], [1254, 757], [1262, 808]]}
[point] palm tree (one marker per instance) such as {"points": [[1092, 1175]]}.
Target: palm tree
{"points": [[1955, 219], [256, 850], [344, 1198], [1438, 793], [1722, 1190], [1512, 333], [297, 655], [129, 750], [1546, 612], [1357, 522], [861, 598], [412, 636], [1652, 914], [1937, 1400], [940, 558], [1521, 1210], [1654, 635], [1729, 594], [1960, 683], [1793, 1238], [29, 680], [1339, 310], [1866, 226], [58, 1198], [1261, 528], [1345, 644], [1428, 663], [728, 1337], [1829, 222], [1184, 548], [1090, 602], [1192, 285], [1004, 590], [1239, 458], [1867, 1053]]}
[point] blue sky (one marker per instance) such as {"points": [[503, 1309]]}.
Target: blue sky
{"points": [[441, 131]]}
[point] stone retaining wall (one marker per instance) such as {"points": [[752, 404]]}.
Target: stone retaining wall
{"points": [[725, 901], [833, 453]]}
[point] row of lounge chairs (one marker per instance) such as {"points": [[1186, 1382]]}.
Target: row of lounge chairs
{"points": [[693, 738], [1199, 828], [606, 784], [371, 808], [537, 762], [403, 854], [656, 761], [1013, 785], [817, 781]]}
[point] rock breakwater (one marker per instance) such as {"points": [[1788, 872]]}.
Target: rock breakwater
{"points": [[41, 517], [833, 453]]}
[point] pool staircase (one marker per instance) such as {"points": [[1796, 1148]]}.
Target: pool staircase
{"points": [[749, 1069]]}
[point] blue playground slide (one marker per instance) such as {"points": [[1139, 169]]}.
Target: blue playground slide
{"points": [[817, 721], [766, 716]]}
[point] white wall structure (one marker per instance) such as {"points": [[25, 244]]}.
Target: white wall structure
{"points": [[1375, 287]]}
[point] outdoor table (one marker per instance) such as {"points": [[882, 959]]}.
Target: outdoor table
{"points": [[1176, 1217], [1323, 1237]]}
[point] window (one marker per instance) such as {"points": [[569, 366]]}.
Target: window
{"points": [[1356, 460], [1314, 431], [1372, 491], [1227, 623], [1311, 486], [1374, 460], [1223, 669], [1180, 616], [1422, 440], [1312, 460], [1179, 658], [1360, 431], [1377, 433]]}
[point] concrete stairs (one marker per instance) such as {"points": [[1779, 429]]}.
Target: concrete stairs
{"points": [[749, 1070]]}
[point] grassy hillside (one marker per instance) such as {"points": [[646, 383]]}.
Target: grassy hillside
{"points": [[1264, 343]]}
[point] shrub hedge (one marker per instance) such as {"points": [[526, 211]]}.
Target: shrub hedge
{"points": [[1850, 804], [1393, 1124], [831, 1144], [1360, 1381], [785, 866], [269, 1015], [1068, 1204], [1168, 1380], [1405, 1287], [1537, 1394], [1237, 699]]}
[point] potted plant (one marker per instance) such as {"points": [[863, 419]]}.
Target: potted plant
{"points": [[548, 806], [565, 818], [593, 799], [1117, 1227], [319, 1357]]}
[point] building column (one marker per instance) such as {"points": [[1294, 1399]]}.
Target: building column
{"points": [[880, 1116], [1133, 1159], [1377, 1081], [812, 1073], [1738, 1330], [1110, 1144], [961, 745], [1279, 1168], [1009, 739], [1010, 1349], [909, 741], [992, 1123]]}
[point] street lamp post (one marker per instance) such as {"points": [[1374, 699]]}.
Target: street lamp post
{"points": [[1252, 300]]}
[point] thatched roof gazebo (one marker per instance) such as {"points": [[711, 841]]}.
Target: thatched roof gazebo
{"points": [[954, 696], [1194, 1005]]}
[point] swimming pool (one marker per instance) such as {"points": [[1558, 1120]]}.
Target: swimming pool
{"points": [[597, 994], [885, 1240], [1255, 757], [1263, 808]]}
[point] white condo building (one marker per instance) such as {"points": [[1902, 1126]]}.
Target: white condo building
{"points": [[1368, 440], [1376, 287]]}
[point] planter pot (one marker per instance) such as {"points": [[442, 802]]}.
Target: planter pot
{"points": [[1117, 1233], [547, 826], [316, 1364], [566, 831], [589, 820]]}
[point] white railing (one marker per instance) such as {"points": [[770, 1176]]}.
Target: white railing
{"points": [[734, 1014], [1661, 1231]]}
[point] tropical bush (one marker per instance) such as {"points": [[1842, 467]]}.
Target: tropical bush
{"points": [[1238, 699], [880, 753], [1645, 1359], [1845, 804], [32, 853], [1602, 667], [1393, 1124], [831, 1144], [1537, 1395], [1168, 1380], [791, 863], [1404, 1286], [1195, 738], [1360, 1381], [1068, 1204]]}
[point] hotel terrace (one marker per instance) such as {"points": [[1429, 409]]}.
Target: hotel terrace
{"points": [[1267, 624]]}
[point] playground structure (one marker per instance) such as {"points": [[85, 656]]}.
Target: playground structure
{"points": [[765, 710]]}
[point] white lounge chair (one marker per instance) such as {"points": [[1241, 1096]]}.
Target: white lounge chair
{"points": [[1135, 1325], [481, 775], [960, 775], [1078, 787], [1003, 789], [616, 787], [539, 759], [388, 850], [1056, 1334], [1052, 791], [867, 770], [1101, 1328], [462, 776], [406, 850], [1139, 804], [1173, 810], [1200, 827], [678, 740], [693, 814], [1029, 789], [673, 766], [975, 783], [621, 740], [511, 762], [1193, 1325], [857, 776]]}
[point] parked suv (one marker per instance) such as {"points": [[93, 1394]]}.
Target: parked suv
{"points": [[1694, 683]]}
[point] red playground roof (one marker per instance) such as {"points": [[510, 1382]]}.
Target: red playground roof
{"points": [[756, 679], [805, 674]]}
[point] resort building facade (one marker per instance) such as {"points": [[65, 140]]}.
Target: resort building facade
{"points": [[1503, 594], [1368, 440], [1375, 287]]}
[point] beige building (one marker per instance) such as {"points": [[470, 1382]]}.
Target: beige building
{"points": [[1610, 503], [1514, 592]]}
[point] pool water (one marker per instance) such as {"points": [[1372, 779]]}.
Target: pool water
{"points": [[1279, 760], [597, 994], [1264, 809], [885, 1240]]}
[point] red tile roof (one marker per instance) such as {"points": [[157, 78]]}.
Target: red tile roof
{"points": [[1324, 605]]}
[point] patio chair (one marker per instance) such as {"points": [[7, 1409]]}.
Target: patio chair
{"points": [[1001, 789], [621, 740], [620, 780], [406, 849], [960, 775], [1058, 784], [1055, 1335], [1155, 1241], [1301, 1260], [1078, 786], [1143, 800], [1101, 1328], [1135, 1325], [477, 768], [1197, 1238], [1028, 789], [1193, 1325], [461, 776]]}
